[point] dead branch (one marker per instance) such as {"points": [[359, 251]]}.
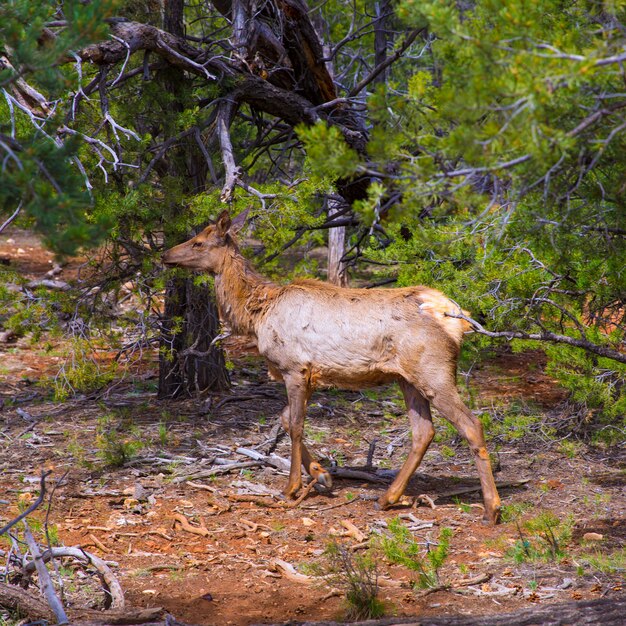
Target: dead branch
{"points": [[233, 173], [223, 469], [379, 69], [121, 618], [353, 531], [203, 531], [290, 572], [33, 506], [58, 285], [466, 490], [113, 587], [45, 581], [357, 474], [11, 217], [130, 37]]}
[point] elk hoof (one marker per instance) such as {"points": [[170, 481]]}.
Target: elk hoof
{"points": [[322, 476], [492, 518], [382, 504], [291, 491]]}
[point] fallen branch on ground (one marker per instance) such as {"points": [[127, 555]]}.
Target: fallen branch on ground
{"points": [[290, 572], [187, 527], [112, 584]]}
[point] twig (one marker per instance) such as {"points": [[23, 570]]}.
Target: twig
{"points": [[33, 506], [273, 460], [306, 491], [187, 527], [381, 67], [10, 219], [258, 500], [201, 486], [96, 542], [370, 453]]}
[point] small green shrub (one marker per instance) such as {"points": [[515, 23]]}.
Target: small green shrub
{"points": [[463, 506], [117, 441], [401, 547], [81, 372], [543, 537], [357, 576], [513, 511], [513, 422]]}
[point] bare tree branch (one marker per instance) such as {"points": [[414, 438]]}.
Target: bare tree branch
{"points": [[44, 578], [33, 506], [233, 172], [546, 335], [408, 40], [8, 221]]}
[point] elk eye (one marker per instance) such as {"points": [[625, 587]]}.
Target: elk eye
{"points": [[197, 244]]}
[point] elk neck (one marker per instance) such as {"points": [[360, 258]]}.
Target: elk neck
{"points": [[243, 294]]}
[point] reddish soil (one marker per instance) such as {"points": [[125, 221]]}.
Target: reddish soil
{"points": [[126, 513]]}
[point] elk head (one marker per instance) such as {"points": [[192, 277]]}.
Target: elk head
{"points": [[205, 252]]}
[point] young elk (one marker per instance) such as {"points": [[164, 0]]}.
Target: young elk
{"points": [[313, 334]]}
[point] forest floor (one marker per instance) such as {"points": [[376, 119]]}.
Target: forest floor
{"points": [[133, 467]]}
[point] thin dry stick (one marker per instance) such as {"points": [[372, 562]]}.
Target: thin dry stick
{"points": [[44, 578], [13, 216], [187, 527], [304, 494], [32, 507]]}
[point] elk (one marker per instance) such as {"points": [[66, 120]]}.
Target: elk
{"points": [[313, 334]]}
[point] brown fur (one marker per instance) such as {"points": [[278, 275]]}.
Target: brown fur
{"points": [[314, 334]]}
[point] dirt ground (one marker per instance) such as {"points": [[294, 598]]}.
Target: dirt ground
{"points": [[231, 570]]}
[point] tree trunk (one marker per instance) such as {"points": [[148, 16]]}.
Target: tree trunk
{"points": [[604, 612], [188, 364], [336, 249], [380, 38]]}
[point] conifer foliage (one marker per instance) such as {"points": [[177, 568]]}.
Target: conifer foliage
{"points": [[479, 147]]}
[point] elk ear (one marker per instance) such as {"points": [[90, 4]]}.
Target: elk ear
{"points": [[238, 222], [223, 223]]}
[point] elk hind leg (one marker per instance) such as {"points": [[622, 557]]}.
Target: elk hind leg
{"points": [[422, 433], [450, 405]]}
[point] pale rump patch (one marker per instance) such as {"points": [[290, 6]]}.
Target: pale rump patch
{"points": [[441, 308]]}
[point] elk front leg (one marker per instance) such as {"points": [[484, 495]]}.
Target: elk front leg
{"points": [[298, 394], [311, 466], [422, 433]]}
